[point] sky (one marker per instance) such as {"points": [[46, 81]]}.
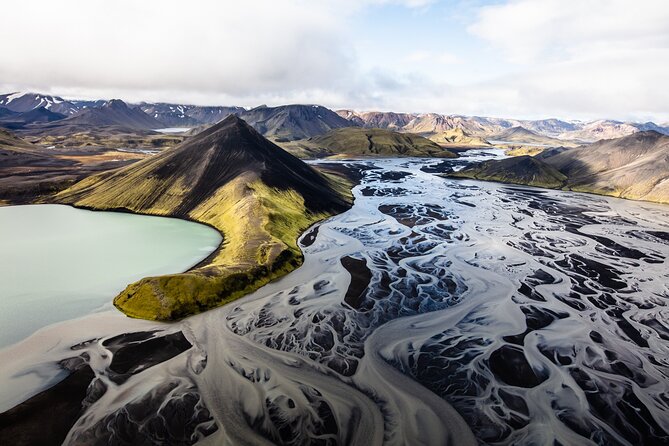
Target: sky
{"points": [[529, 59]]}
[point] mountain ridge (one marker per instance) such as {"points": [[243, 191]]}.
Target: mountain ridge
{"points": [[634, 167]]}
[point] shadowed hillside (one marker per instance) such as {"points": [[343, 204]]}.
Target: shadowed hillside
{"points": [[634, 167], [229, 177]]}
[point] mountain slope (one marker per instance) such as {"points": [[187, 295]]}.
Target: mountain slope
{"points": [[358, 141], [604, 129], [229, 177], [12, 143], [525, 170], [377, 120], [28, 171], [292, 122], [458, 138], [522, 135], [634, 167]]}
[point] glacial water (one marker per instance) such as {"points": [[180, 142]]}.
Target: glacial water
{"points": [[494, 314], [59, 263]]}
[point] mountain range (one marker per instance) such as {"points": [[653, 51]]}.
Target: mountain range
{"points": [[634, 166], [433, 123], [364, 142], [294, 122]]}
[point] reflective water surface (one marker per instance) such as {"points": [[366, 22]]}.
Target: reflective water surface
{"points": [[58, 262]]}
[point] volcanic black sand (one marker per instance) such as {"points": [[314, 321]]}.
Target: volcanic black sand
{"points": [[46, 418]]}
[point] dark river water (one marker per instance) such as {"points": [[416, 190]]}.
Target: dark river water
{"points": [[435, 311]]}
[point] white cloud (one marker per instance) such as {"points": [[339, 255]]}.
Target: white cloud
{"points": [[570, 59], [221, 47], [589, 58], [530, 31], [444, 57]]}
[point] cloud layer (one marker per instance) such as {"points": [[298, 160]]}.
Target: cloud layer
{"points": [[581, 59]]}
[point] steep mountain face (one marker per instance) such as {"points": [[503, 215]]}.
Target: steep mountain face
{"points": [[355, 141], [458, 138], [230, 177], [634, 167], [176, 115], [113, 113], [292, 122], [24, 102]]}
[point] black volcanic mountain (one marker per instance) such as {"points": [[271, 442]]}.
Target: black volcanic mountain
{"points": [[232, 178], [634, 167], [292, 122]]}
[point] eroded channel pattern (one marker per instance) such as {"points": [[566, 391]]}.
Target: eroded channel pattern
{"points": [[540, 316], [435, 311]]}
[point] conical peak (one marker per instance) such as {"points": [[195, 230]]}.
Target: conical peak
{"points": [[230, 124]]}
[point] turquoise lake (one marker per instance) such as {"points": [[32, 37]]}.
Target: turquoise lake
{"points": [[59, 263]]}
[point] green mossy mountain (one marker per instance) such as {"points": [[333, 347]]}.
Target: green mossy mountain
{"points": [[356, 141], [520, 170], [230, 177], [634, 167]]}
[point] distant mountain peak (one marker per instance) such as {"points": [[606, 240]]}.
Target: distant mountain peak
{"points": [[116, 103]]}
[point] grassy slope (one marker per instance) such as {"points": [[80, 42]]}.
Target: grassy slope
{"points": [[458, 138], [260, 225], [355, 141], [519, 170], [523, 150]]}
